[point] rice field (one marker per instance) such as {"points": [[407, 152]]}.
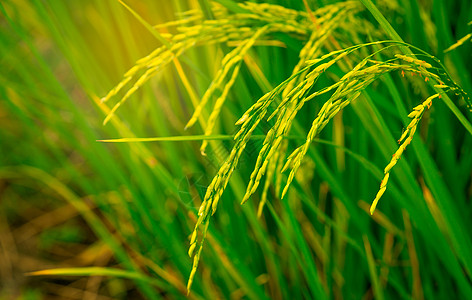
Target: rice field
{"points": [[225, 149]]}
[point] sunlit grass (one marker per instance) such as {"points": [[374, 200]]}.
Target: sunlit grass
{"points": [[320, 93]]}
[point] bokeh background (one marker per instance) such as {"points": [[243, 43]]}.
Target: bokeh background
{"points": [[70, 201]]}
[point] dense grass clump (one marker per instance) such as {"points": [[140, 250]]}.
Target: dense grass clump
{"points": [[296, 104]]}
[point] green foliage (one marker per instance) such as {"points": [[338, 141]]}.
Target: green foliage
{"points": [[292, 77]]}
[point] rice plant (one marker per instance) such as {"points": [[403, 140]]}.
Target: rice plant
{"points": [[293, 93], [264, 88]]}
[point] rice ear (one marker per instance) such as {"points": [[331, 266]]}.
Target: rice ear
{"points": [[416, 116]]}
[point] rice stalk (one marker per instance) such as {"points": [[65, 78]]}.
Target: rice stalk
{"points": [[231, 61], [256, 22], [459, 42], [229, 28], [416, 116], [347, 89]]}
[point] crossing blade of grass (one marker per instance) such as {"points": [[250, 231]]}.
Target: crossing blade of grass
{"points": [[176, 138], [98, 271]]}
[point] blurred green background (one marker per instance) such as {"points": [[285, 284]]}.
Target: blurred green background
{"points": [[119, 215]]}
